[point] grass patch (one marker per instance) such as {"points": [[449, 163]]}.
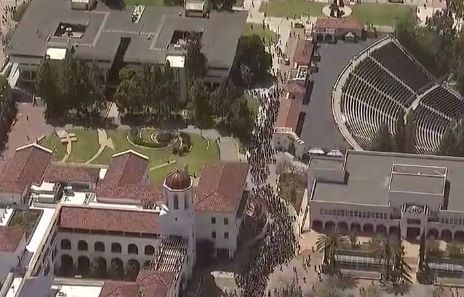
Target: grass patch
{"points": [[82, 150], [253, 104], [88, 145], [145, 2], [27, 219], [380, 14], [292, 188], [257, 29], [290, 8]]}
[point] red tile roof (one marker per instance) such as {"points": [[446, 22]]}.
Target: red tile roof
{"points": [[25, 167], [303, 52], [104, 219], [126, 168], [142, 192], [155, 283], [10, 237], [338, 24], [289, 112], [66, 173], [221, 186], [119, 289]]}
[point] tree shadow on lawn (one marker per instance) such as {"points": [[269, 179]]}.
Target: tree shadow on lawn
{"points": [[93, 123], [175, 122]]}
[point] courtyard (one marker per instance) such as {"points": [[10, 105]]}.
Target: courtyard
{"points": [[89, 149]]}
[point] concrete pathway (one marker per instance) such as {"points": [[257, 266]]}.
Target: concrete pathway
{"points": [[229, 149], [104, 142], [163, 165], [68, 149]]}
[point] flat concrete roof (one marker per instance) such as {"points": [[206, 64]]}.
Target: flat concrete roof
{"points": [[369, 178], [149, 38], [423, 184], [327, 162]]}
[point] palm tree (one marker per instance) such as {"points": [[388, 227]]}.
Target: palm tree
{"points": [[329, 244], [385, 251]]}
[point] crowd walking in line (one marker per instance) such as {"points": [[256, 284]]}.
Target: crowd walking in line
{"points": [[279, 244]]}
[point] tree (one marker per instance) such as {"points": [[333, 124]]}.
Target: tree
{"points": [[454, 250], [169, 91], [223, 97], [252, 62], [330, 244], [385, 253], [383, 140], [8, 108], [353, 240], [240, 119], [126, 95], [410, 133], [432, 250], [195, 60], [200, 104]]}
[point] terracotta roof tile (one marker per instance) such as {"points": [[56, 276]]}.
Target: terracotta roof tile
{"points": [[126, 168], [66, 173], [10, 237], [221, 186], [338, 23], [119, 289], [155, 283], [104, 219], [289, 112], [25, 167], [142, 192], [303, 52]]}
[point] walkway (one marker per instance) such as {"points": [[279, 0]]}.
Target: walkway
{"points": [[104, 142]]}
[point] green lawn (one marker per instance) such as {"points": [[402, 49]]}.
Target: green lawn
{"points": [[82, 150], [253, 104], [380, 14], [87, 145], [27, 219], [373, 13], [288, 8], [257, 29]]}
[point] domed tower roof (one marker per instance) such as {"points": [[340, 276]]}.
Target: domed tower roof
{"points": [[178, 180]]}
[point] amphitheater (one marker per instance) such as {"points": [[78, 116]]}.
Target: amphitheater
{"points": [[381, 81]]}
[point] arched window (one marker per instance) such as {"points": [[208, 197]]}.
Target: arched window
{"points": [[176, 202], [115, 247], [99, 246], [132, 249], [186, 206], [65, 244], [149, 250], [82, 245]]}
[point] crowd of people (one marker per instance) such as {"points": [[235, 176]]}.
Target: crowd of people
{"points": [[279, 243]]}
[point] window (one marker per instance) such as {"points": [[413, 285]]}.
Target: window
{"points": [[65, 244], [99, 246], [149, 250], [115, 247], [322, 211], [132, 249], [186, 206], [226, 235], [213, 220], [226, 221], [82, 245], [213, 234], [176, 202]]}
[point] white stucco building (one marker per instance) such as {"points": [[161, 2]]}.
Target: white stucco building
{"points": [[369, 192], [126, 225]]}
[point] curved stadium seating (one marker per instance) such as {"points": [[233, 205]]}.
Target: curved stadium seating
{"points": [[388, 80]]}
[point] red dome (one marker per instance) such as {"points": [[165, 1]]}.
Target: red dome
{"points": [[177, 180]]}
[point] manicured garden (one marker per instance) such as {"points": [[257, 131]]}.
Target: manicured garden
{"points": [[183, 149]]}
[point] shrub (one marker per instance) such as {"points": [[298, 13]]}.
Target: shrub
{"points": [[163, 137], [175, 150], [186, 139]]}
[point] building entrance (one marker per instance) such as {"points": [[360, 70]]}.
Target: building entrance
{"points": [[413, 233]]}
